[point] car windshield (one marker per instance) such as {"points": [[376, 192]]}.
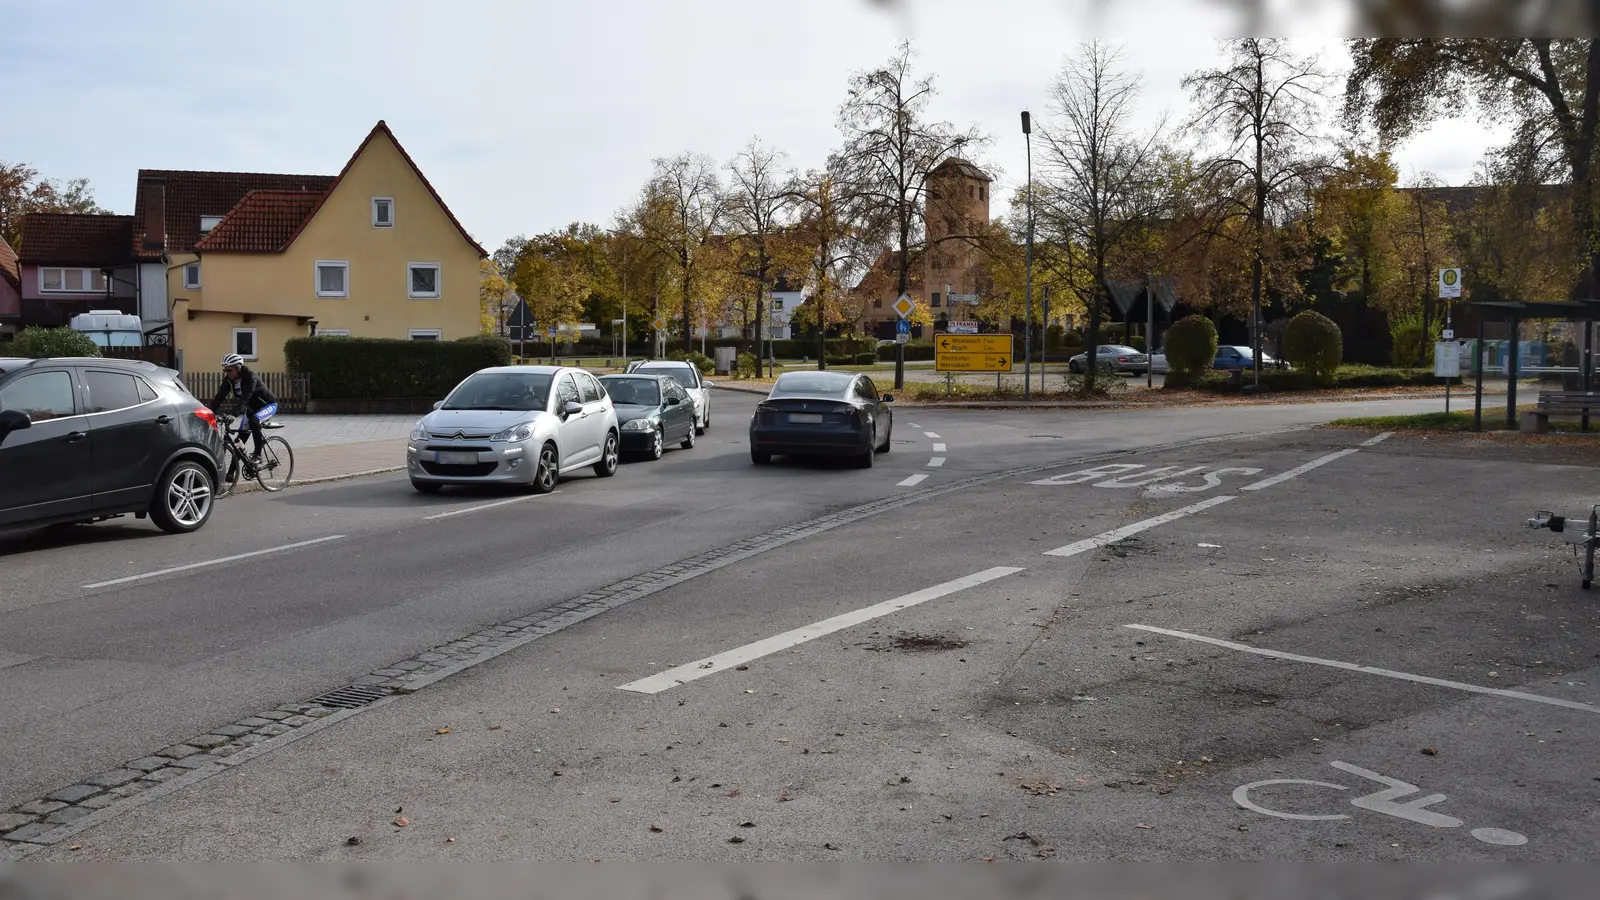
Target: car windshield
{"points": [[633, 391], [683, 373], [501, 390], [1242, 351], [812, 384]]}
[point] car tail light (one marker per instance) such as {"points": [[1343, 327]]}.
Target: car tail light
{"points": [[206, 416]]}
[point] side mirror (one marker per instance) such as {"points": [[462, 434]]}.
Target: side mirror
{"points": [[888, 398], [13, 420], [438, 403], [572, 409], [673, 401]]}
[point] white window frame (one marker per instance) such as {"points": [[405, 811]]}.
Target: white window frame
{"points": [[375, 202], [438, 281], [433, 334], [89, 276], [195, 284], [255, 344], [215, 221], [316, 277]]}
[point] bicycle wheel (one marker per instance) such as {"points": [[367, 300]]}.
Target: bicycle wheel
{"points": [[276, 466], [228, 478]]}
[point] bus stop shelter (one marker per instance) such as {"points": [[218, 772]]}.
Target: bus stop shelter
{"points": [[1513, 314]]}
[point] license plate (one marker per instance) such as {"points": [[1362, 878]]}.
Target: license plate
{"points": [[455, 459], [805, 418]]}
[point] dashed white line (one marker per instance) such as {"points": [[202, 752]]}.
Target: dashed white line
{"points": [[913, 481], [711, 665], [1373, 442], [482, 506], [213, 562], [1371, 670], [931, 434], [936, 462], [938, 448], [1298, 470], [1127, 531]]}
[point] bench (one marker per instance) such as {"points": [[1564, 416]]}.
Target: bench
{"points": [[1558, 403]]}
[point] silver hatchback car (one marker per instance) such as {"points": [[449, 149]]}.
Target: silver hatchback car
{"points": [[522, 425]]}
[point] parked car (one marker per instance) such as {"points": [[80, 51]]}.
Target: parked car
{"points": [[522, 425], [1231, 356], [687, 375], [652, 411], [1158, 362], [1112, 357], [82, 440], [822, 413]]}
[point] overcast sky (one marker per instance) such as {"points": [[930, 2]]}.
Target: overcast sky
{"points": [[529, 114]]}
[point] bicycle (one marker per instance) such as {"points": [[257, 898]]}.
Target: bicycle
{"points": [[277, 457]]}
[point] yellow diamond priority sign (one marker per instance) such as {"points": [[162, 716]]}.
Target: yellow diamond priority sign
{"points": [[904, 306], [658, 324]]}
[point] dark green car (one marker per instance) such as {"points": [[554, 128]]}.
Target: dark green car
{"points": [[652, 412]]}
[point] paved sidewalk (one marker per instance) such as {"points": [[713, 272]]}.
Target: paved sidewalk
{"points": [[343, 460], [304, 431]]}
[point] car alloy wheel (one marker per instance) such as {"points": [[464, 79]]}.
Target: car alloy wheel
{"points": [[688, 439], [607, 466], [544, 479], [184, 497], [658, 445]]}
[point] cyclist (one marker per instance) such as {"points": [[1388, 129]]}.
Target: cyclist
{"points": [[254, 401]]}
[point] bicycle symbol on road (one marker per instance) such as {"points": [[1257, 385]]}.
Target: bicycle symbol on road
{"points": [[1384, 801]]}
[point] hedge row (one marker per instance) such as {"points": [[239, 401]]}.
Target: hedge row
{"points": [[1353, 376], [347, 368]]}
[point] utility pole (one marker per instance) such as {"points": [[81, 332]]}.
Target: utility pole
{"points": [[1149, 331], [1027, 328]]}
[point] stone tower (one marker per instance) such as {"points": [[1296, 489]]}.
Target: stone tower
{"points": [[956, 210]]}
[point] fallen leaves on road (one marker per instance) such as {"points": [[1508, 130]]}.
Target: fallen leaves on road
{"points": [[445, 730], [655, 829], [1041, 788], [449, 840], [736, 840], [402, 821], [352, 842], [734, 793], [76, 847], [830, 847], [1144, 825], [556, 710], [747, 824], [1430, 751]]}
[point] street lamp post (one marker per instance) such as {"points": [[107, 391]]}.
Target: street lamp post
{"points": [[1027, 328]]}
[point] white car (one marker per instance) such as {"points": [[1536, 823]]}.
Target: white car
{"points": [[522, 425], [686, 374]]}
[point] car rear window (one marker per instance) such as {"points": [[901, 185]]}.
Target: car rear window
{"points": [[683, 373], [812, 383]]}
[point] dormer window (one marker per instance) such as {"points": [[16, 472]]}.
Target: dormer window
{"points": [[382, 212], [209, 222]]}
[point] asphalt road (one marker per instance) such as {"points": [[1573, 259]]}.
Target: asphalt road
{"points": [[1017, 699]]}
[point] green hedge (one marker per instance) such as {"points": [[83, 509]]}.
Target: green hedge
{"points": [[1314, 344], [1353, 376], [43, 343], [347, 368]]}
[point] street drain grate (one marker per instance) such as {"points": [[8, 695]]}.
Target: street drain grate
{"points": [[351, 697]]}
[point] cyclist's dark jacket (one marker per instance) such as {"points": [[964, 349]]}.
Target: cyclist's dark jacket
{"points": [[247, 391]]}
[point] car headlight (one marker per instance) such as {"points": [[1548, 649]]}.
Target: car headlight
{"points": [[514, 433], [638, 425], [419, 432]]}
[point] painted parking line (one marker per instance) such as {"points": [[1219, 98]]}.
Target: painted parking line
{"points": [[212, 562], [1127, 531], [1299, 470], [938, 448], [482, 506], [936, 462], [1373, 442], [711, 665], [931, 434], [1371, 670], [913, 481]]}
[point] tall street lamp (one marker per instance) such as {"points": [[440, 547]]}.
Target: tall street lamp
{"points": [[1027, 328]]}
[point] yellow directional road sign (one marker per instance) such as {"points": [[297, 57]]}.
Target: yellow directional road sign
{"points": [[972, 352]]}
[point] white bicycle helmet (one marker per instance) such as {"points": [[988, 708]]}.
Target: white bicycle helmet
{"points": [[232, 359]]}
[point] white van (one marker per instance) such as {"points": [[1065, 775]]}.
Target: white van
{"points": [[110, 328]]}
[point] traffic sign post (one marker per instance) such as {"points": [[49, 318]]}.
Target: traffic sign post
{"points": [[1449, 284], [904, 306], [972, 353], [902, 331]]}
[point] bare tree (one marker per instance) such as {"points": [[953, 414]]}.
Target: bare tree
{"points": [[688, 187], [1101, 181], [889, 150], [761, 195], [1262, 107], [837, 251]]}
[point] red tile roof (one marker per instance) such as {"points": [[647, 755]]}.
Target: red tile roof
{"points": [[190, 195], [262, 222], [9, 269], [75, 239]]}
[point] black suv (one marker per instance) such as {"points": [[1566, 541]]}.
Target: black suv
{"points": [[88, 439]]}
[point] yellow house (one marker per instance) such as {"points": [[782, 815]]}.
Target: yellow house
{"points": [[373, 252]]}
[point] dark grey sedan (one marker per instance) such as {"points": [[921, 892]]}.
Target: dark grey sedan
{"points": [[822, 414], [652, 412]]}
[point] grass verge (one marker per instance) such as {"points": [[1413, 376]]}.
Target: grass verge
{"points": [[1494, 419]]}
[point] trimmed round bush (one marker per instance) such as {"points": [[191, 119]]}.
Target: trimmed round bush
{"points": [[704, 363], [1314, 343], [43, 343], [1191, 346]]}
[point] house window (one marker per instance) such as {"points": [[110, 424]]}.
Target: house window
{"points": [[244, 342], [983, 192], [425, 334], [936, 299], [777, 304], [878, 303], [422, 281], [191, 276], [969, 192], [333, 278], [382, 212], [60, 280], [209, 222]]}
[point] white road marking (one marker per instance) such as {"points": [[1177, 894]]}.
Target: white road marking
{"points": [[1298, 470], [472, 509], [711, 665], [913, 425], [1127, 531], [913, 481], [213, 562], [1371, 670], [936, 462], [931, 434], [938, 448], [1372, 442]]}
